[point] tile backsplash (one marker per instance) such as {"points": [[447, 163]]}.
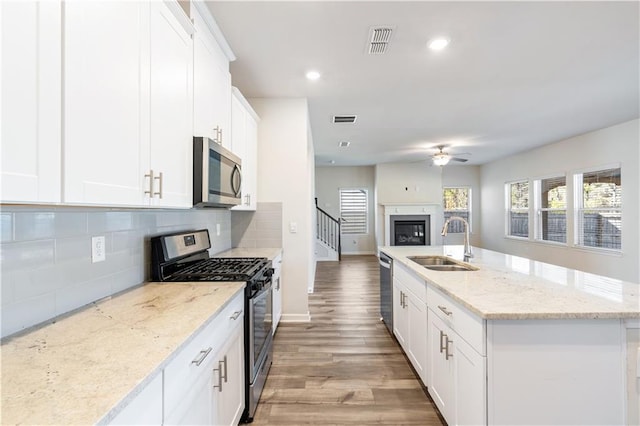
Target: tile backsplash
{"points": [[259, 229], [45, 255]]}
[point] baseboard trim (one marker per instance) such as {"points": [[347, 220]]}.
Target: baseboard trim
{"points": [[295, 317], [358, 253]]}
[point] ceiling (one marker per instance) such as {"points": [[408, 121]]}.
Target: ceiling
{"points": [[516, 75]]}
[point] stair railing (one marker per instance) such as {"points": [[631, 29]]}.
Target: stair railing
{"points": [[328, 230]]}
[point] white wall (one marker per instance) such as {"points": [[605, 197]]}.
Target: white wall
{"points": [[284, 162], [469, 176], [619, 144], [398, 183], [328, 182]]}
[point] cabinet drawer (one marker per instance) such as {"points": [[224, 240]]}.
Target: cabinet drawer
{"points": [[469, 326], [199, 354], [414, 284]]}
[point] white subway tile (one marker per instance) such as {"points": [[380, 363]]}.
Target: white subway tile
{"points": [[26, 313], [77, 249], [6, 227], [34, 226], [71, 224], [27, 254]]}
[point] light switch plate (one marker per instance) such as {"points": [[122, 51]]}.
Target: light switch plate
{"points": [[293, 227], [98, 249], [218, 229]]}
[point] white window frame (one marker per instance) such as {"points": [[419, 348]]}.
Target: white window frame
{"points": [[538, 210], [366, 211], [508, 209], [578, 207], [468, 210]]}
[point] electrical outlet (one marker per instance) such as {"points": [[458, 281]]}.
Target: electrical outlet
{"points": [[218, 229], [98, 249]]}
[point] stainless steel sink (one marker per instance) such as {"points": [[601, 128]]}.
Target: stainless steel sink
{"points": [[441, 263]]}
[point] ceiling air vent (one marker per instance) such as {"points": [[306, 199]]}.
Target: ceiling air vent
{"points": [[344, 144], [349, 119], [379, 38]]}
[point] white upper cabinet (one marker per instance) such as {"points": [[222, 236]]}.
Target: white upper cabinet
{"points": [[31, 101], [244, 143], [171, 153], [128, 104], [212, 80], [106, 148]]}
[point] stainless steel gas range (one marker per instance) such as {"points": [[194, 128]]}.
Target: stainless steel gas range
{"points": [[184, 256]]}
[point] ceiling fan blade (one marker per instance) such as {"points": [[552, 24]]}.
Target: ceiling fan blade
{"points": [[461, 160]]}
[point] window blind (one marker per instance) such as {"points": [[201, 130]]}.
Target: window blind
{"points": [[353, 211]]}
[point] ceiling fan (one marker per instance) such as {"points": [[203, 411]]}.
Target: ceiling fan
{"points": [[442, 158]]}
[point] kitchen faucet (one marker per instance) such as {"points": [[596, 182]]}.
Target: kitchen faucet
{"points": [[467, 247]]}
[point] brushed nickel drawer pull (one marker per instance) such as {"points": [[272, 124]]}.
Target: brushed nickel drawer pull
{"points": [[203, 354], [219, 370], [225, 367], [442, 347], [159, 192], [447, 355], [444, 309]]}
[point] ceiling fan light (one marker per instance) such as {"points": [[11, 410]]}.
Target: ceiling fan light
{"points": [[441, 159]]}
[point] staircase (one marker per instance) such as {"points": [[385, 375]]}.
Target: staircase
{"points": [[328, 245]]}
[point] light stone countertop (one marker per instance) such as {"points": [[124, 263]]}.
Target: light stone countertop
{"points": [[270, 253], [512, 287], [85, 367]]}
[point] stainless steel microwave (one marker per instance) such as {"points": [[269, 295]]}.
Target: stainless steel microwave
{"points": [[217, 175]]}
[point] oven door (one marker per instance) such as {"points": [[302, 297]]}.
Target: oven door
{"points": [[259, 327]]}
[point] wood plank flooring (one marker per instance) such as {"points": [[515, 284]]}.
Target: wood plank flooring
{"points": [[343, 367]]}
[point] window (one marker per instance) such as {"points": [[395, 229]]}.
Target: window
{"points": [[551, 209], [518, 209], [598, 209], [353, 211], [457, 202]]}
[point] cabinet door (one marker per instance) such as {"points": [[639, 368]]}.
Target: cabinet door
{"points": [[204, 70], [105, 102], [229, 403], [222, 104], [441, 369], [145, 408], [400, 317], [244, 137], [417, 325], [171, 108], [31, 102], [196, 405], [277, 292], [470, 383]]}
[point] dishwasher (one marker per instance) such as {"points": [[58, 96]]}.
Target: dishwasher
{"points": [[386, 291]]}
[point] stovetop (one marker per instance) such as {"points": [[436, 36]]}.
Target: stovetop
{"points": [[220, 269]]}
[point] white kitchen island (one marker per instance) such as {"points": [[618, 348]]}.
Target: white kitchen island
{"points": [[517, 341]]}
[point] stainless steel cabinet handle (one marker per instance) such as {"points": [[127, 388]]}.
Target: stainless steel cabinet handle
{"points": [[225, 367], [447, 355], [235, 315], [219, 370], [444, 309], [278, 284], [150, 176], [203, 354], [402, 300], [218, 138], [442, 335], [159, 178]]}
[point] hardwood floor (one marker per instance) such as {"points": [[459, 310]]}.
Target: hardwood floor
{"points": [[343, 367]]}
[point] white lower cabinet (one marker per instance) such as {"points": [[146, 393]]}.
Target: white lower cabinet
{"points": [[457, 376], [204, 383], [276, 279], [410, 318], [145, 408], [633, 372]]}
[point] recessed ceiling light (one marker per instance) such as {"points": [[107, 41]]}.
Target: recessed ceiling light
{"points": [[438, 43], [313, 75]]}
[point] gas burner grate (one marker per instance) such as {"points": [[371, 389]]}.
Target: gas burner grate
{"points": [[220, 269]]}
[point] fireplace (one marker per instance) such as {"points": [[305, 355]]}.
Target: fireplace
{"points": [[411, 224], [410, 230]]}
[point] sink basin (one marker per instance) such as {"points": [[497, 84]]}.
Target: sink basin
{"points": [[441, 263]]}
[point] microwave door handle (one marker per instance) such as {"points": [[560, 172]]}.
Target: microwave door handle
{"points": [[236, 170]]}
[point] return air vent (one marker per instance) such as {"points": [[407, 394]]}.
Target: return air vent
{"points": [[379, 38], [348, 119]]}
